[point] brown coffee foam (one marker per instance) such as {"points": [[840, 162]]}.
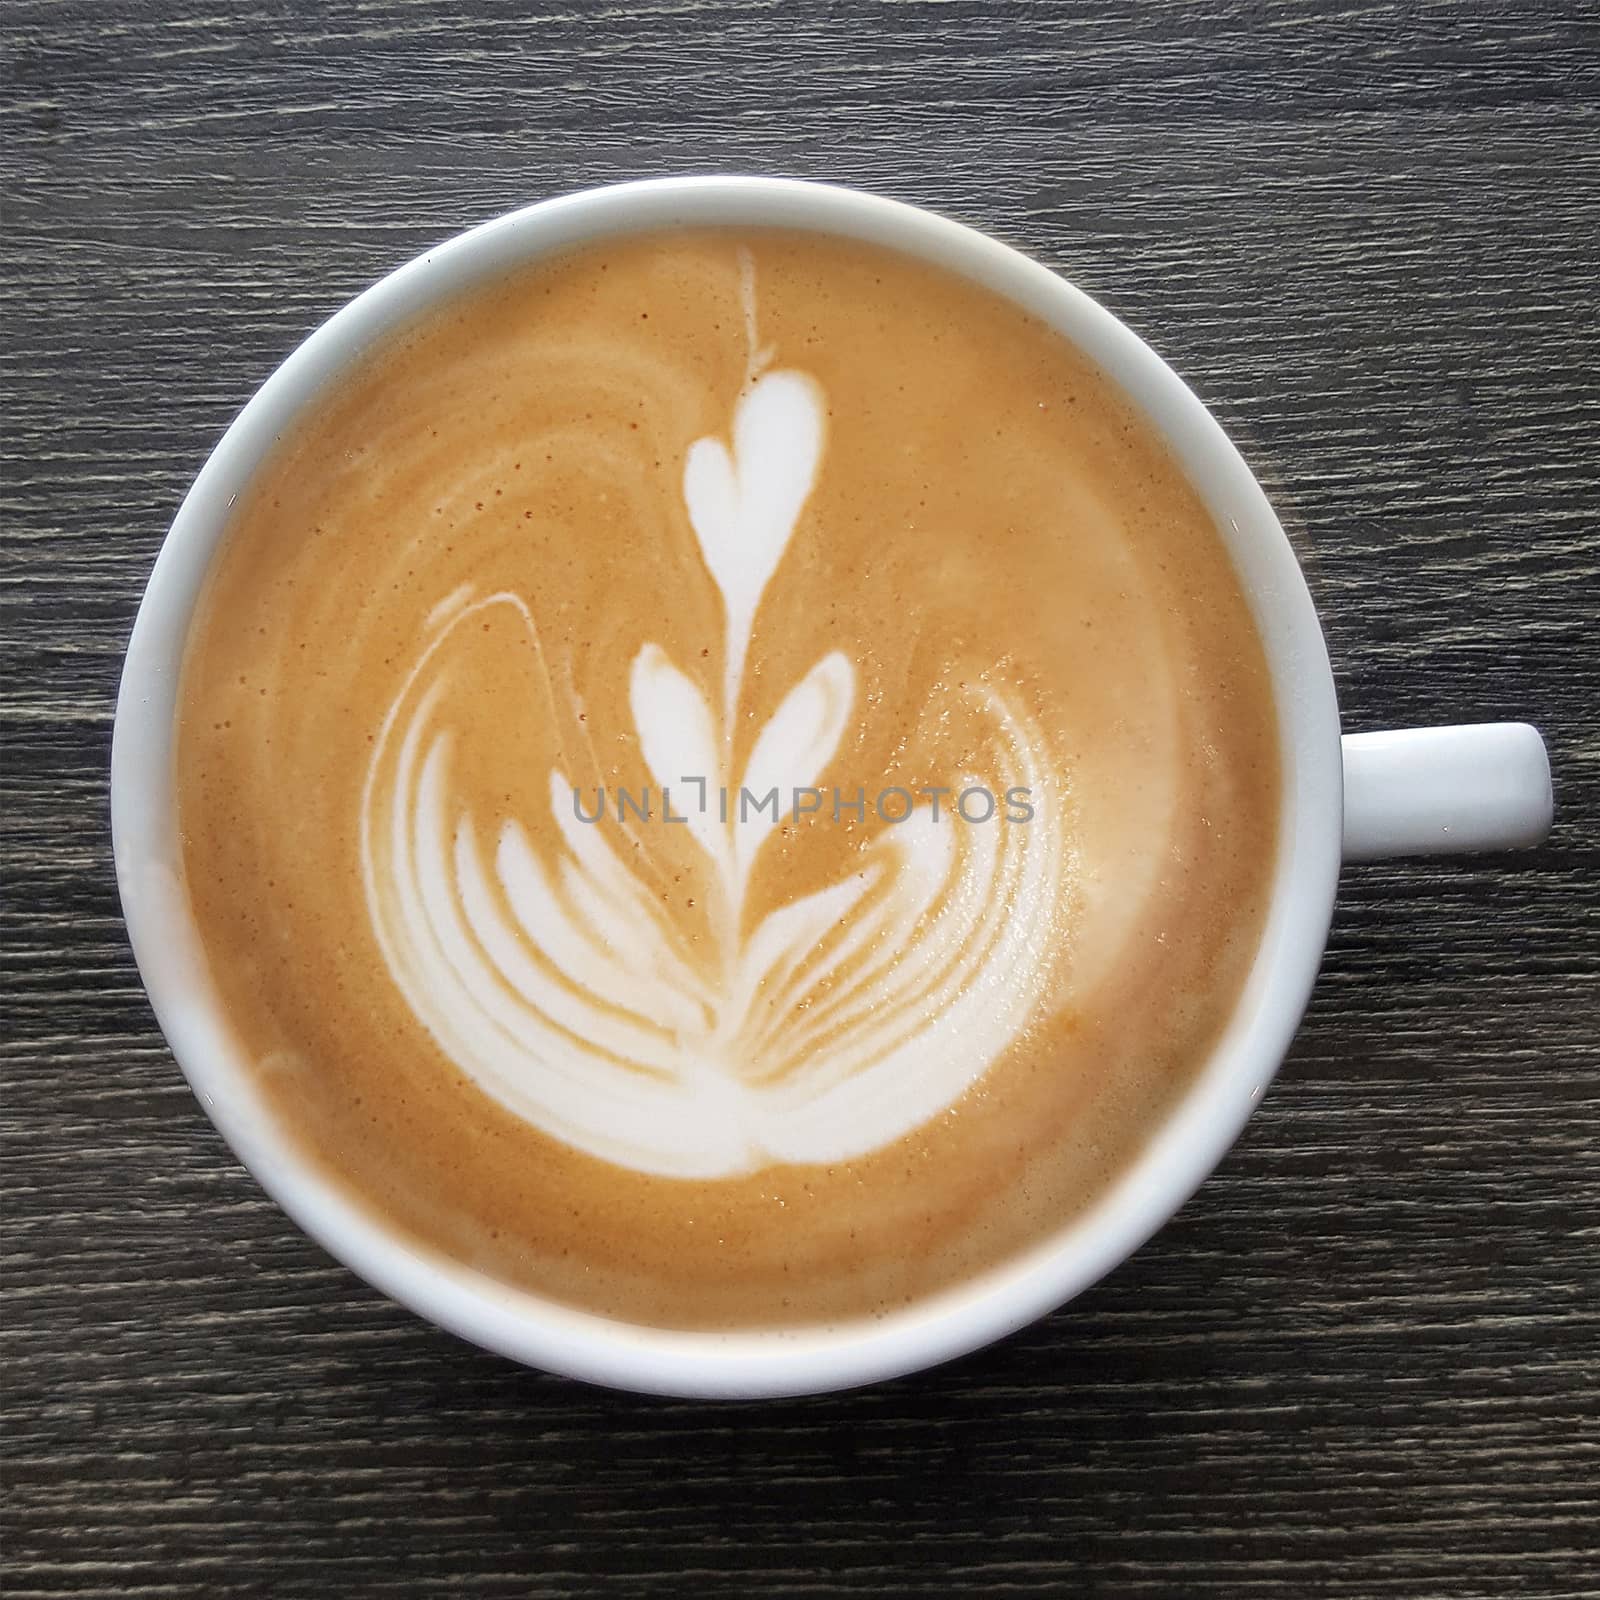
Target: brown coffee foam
{"points": [[988, 505]]}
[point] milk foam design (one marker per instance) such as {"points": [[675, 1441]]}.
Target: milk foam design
{"points": [[562, 986]]}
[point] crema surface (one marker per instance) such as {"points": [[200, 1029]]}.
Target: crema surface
{"points": [[726, 779]]}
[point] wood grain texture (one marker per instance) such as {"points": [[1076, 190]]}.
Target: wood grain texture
{"points": [[1364, 1361]]}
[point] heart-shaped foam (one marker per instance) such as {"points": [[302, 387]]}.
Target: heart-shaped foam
{"points": [[744, 505]]}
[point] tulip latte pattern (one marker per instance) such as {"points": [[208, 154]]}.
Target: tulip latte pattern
{"points": [[834, 1025]]}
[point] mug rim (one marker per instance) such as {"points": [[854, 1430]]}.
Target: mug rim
{"points": [[1175, 1158]]}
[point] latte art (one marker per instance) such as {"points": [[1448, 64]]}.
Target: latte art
{"points": [[725, 780], [832, 1025]]}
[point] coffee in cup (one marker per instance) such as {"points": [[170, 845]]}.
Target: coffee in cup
{"points": [[726, 778]]}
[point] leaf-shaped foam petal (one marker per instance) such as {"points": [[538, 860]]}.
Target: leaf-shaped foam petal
{"points": [[744, 506], [679, 740], [795, 747], [626, 965], [787, 937]]}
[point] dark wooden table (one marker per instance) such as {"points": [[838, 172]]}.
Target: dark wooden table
{"points": [[1364, 1360]]}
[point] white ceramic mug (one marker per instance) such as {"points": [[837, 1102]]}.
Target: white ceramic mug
{"points": [[1430, 790]]}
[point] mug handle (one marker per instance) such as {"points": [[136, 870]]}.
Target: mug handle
{"points": [[1445, 791]]}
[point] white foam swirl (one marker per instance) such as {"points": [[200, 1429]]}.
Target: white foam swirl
{"points": [[560, 984]]}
